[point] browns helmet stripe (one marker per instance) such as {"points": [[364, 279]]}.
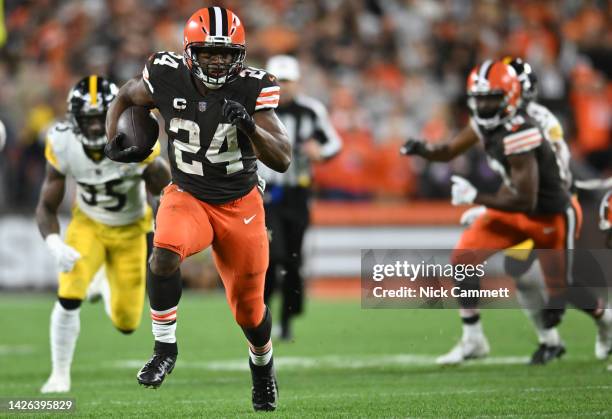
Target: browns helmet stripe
{"points": [[218, 22], [224, 24], [212, 19], [93, 89], [485, 68]]}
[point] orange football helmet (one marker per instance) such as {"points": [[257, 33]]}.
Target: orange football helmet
{"points": [[214, 45], [494, 93]]}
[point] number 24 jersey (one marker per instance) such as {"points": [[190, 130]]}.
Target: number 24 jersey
{"points": [[210, 158]]}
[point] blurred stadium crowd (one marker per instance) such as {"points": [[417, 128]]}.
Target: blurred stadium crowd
{"points": [[387, 69]]}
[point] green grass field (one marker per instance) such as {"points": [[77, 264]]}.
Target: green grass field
{"points": [[344, 362]]}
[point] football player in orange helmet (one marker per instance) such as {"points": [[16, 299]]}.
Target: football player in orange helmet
{"points": [[220, 120], [206, 33], [534, 202]]}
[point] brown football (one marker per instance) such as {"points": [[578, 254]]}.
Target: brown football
{"points": [[139, 127]]}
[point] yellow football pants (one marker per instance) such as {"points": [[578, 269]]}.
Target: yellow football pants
{"points": [[123, 251], [520, 251]]}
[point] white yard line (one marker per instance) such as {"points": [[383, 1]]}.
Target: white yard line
{"points": [[329, 361], [6, 350]]}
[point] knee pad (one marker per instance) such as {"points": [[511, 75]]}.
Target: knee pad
{"points": [[69, 303]]}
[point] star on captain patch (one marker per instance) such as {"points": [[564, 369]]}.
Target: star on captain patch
{"points": [[202, 106]]}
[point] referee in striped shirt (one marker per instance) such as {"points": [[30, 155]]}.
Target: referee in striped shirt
{"points": [[287, 194]]}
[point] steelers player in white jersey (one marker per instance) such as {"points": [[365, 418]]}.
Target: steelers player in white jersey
{"points": [[110, 220]]}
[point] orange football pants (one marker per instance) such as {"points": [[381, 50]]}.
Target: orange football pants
{"points": [[237, 232], [497, 230]]}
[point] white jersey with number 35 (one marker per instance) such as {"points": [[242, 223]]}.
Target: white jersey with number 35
{"points": [[108, 192]]}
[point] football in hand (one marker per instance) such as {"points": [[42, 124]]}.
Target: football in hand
{"points": [[139, 127]]}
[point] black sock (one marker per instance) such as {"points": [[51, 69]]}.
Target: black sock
{"points": [[471, 320], [470, 283], [259, 336], [164, 291]]}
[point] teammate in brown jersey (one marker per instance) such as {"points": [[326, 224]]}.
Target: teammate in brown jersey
{"points": [[219, 118], [534, 201]]}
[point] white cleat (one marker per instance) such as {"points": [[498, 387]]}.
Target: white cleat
{"points": [[56, 384], [603, 342], [467, 348]]}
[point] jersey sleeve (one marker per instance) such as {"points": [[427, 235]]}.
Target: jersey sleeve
{"points": [[526, 138], [55, 149], [157, 69], [328, 136], [268, 94]]}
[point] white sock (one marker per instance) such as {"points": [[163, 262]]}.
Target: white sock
{"points": [[106, 297], [99, 286], [473, 331], [605, 318], [65, 327], [261, 356], [549, 337], [164, 324], [164, 332]]}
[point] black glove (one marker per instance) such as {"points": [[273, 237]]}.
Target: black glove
{"points": [[237, 115], [115, 151], [413, 146]]}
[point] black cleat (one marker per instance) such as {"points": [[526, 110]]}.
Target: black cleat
{"points": [[265, 389], [545, 353], [152, 374]]}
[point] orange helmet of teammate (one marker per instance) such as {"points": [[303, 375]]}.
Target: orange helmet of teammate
{"points": [[494, 93], [214, 46]]}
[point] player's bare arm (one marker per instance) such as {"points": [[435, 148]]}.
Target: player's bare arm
{"points": [[132, 93], [157, 176], [522, 197], [444, 151], [51, 196], [270, 141]]}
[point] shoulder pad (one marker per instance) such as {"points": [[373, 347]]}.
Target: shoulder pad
{"points": [[57, 142], [267, 89], [523, 138], [160, 63]]}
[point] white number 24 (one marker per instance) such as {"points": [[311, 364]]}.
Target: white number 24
{"points": [[224, 132]]}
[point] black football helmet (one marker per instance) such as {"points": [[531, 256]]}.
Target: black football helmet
{"points": [[88, 102], [527, 77]]}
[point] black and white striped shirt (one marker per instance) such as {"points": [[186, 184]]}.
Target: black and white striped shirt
{"points": [[305, 118]]}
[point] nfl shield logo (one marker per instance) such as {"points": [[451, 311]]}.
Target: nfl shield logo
{"points": [[202, 106]]}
